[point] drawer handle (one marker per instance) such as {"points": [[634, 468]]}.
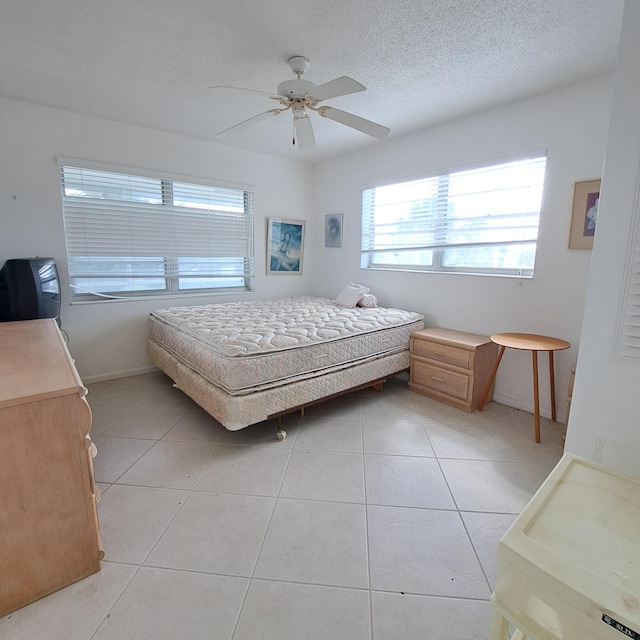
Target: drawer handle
{"points": [[92, 479], [438, 353], [438, 379], [323, 355]]}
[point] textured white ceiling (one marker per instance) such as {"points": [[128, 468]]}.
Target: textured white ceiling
{"points": [[151, 62]]}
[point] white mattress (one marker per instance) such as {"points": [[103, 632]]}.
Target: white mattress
{"points": [[243, 347]]}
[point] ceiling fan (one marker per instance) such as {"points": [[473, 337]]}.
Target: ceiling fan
{"points": [[301, 97]]}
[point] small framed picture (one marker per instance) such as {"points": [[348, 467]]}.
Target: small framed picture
{"points": [[333, 230], [285, 244], [586, 198]]}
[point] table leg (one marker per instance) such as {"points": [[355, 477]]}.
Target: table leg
{"points": [[492, 377], [552, 384], [536, 398]]}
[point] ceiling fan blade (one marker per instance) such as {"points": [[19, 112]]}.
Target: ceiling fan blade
{"points": [[304, 132], [355, 122], [341, 86], [245, 124]]}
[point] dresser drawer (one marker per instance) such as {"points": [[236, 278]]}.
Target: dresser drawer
{"points": [[451, 383], [442, 352]]}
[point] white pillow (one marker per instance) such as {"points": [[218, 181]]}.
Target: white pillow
{"points": [[349, 296], [368, 300], [359, 286]]}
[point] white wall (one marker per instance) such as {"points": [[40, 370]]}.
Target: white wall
{"points": [[605, 412], [108, 339], [571, 124]]}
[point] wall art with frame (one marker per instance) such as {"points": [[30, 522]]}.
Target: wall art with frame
{"points": [[333, 230], [586, 198], [285, 245]]}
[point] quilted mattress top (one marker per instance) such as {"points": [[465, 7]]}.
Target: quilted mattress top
{"points": [[239, 329]]}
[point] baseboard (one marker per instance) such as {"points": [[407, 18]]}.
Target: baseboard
{"points": [[528, 407], [114, 375]]}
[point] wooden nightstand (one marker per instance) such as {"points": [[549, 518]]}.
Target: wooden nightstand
{"points": [[451, 366]]}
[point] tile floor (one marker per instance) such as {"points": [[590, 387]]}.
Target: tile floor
{"points": [[377, 518]]}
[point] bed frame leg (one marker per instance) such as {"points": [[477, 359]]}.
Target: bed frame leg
{"points": [[281, 434]]}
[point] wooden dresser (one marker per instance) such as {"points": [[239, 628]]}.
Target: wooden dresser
{"points": [[49, 533], [451, 366]]}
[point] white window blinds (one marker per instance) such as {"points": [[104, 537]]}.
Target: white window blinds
{"points": [[139, 235], [477, 221], [628, 338]]}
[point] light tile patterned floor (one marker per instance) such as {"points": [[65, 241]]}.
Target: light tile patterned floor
{"points": [[377, 518]]}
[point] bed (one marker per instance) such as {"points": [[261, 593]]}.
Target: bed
{"points": [[245, 362]]}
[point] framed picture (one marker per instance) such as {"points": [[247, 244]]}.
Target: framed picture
{"points": [[333, 230], [586, 197], [285, 243]]}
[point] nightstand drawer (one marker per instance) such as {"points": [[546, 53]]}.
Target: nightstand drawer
{"points": [[442, 353], [451, 383]]}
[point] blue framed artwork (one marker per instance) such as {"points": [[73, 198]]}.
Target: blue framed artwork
{"points": [[285, 246]]}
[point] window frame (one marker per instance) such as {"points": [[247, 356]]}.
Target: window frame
{"points": [[202, 221], [439, 223]]}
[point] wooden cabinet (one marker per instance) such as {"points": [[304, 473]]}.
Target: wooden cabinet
{"points": [[49, 533], [451, 366]]}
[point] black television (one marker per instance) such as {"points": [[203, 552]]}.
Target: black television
{"points": [[29, 290]]}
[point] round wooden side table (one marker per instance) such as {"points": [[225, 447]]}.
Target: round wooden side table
{"points": [[534, 343]]}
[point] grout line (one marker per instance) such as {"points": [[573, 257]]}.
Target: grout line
{"points": [[264, 538], [115, 603]]}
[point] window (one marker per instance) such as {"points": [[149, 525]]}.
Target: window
{"points": [[130, 235], [478, 221]]}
